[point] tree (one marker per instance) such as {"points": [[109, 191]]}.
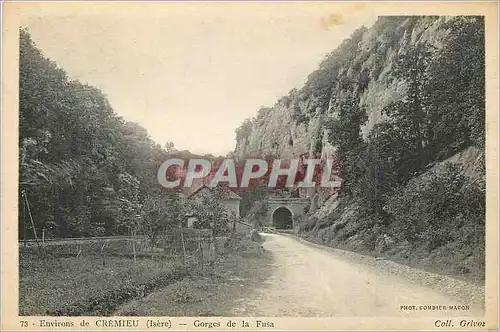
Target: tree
{"points": [[83, 167], [161, 215], [211, 213], [257, 213], [456, 88], [409, 116], [244, 130], [169, 146], [128, 203], [345, 133], [255, 192]]}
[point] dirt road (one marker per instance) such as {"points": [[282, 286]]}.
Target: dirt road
{"points": [[311, 281]]}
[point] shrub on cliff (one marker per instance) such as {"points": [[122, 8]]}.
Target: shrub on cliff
{"points": [[444, 207], [245, 130]]}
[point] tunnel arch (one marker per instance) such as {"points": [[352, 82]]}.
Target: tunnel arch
{"points": [[282, 218]]}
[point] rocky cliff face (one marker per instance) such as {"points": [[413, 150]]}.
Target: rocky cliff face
{"points": [[414, 191], [362, 66]]}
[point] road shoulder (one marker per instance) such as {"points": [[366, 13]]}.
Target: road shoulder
{"points": [[459, 289]]}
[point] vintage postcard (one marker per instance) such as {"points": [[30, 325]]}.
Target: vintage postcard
{"points": [[246, 166]]}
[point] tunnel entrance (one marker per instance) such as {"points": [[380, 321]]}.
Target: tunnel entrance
{"points": [[282, 218]]}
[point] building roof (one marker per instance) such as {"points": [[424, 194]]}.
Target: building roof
{"points": [[225, 191]]}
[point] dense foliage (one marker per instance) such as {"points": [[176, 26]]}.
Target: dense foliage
{"points": [[254, 193], [85, 171], [442, 113], [244, 131], [444, 208], [211, 213]]}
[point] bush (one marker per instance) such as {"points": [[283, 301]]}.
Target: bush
{"points": [[436, 210], [255, 236]]}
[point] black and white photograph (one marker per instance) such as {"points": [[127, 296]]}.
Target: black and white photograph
{"points": [[250, 165]]}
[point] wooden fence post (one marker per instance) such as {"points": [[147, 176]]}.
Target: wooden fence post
{"points": [[102, 254], [133, 246], [31, 218], [183, 247]]}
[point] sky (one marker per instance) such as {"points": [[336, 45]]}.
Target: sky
{"points": [[190, 73]]}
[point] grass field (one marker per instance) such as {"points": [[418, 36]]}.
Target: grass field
{"points": [[214, 292], [83, 286], [67, 280]]}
